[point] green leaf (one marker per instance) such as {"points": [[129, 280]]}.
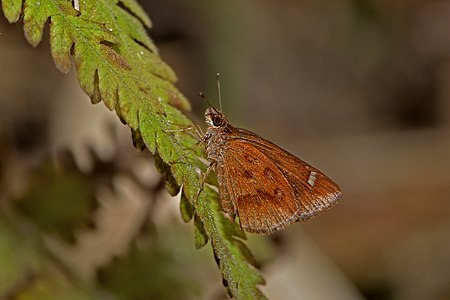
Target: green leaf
{"points": [[62, 43], [35, 16], [12, 10], [186, 208], [201, 236], [137, 11]]}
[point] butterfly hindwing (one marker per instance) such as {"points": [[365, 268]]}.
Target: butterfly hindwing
{"points": [[263, 168], [313, 189], [259, 191]]}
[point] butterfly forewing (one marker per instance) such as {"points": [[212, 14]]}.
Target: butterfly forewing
{"points": [[313, 192], [313, 189], [260, 192]]}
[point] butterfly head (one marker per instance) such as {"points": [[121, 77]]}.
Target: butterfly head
{"points": [[215, 118]]}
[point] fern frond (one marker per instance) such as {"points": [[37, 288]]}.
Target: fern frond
{"points": [[117, 63]]}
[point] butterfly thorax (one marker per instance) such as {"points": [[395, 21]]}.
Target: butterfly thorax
{"points": [[217, 134]]}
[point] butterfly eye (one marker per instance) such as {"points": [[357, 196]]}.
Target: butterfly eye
{"points": [[217, 121]]}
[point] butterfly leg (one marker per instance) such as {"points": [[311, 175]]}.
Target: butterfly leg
{"points": [[188, 129], [203, 181], [198, 133]]}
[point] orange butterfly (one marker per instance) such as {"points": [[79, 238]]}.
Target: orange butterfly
{"points": [[265, 186]]}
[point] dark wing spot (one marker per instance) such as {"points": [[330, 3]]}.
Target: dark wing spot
{"points": [[269, 173], [248, 174], [251, 159], [279, 194], [262, 194]]}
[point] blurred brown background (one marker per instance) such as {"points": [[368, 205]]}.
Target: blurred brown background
{"points": [[358, 88]]}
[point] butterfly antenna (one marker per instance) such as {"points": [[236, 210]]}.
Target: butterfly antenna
{"points": [[205, 99], [218, 91]]}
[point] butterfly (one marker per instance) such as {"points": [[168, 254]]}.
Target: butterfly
{"points": [[265, 186]]}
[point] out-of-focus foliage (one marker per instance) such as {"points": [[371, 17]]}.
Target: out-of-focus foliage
{"points": [[28, 272], [58, 203], [146, 273]]}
